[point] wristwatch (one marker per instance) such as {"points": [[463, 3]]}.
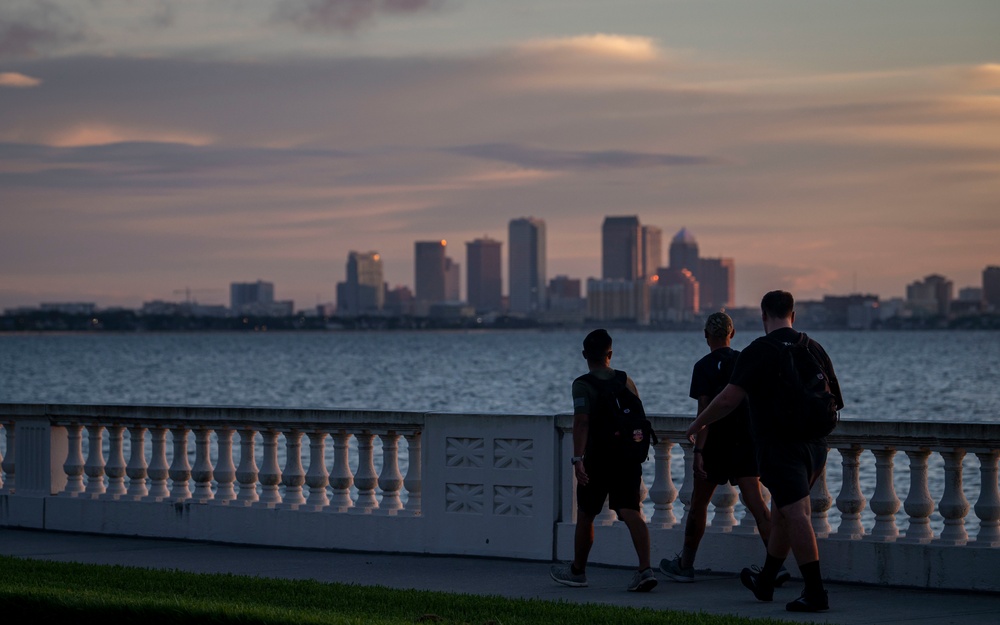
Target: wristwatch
{"points": [[575, 459]]}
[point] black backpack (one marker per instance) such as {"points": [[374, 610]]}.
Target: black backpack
{"points": [[619, 430], [811, 410]]}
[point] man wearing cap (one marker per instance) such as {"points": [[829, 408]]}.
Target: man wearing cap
{"points": [[723, 452], [788, 465], [600, 478]]}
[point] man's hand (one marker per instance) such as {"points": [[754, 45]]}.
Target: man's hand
{"points": [[581, 473], [699, 466], [693, 430]]}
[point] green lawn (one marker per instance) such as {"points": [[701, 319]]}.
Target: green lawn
{"points": [[33, 591]]}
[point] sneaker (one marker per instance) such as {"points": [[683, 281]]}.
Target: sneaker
{"points": [[643, 581], [760, 590], [779, 579], [809, 603], [563, 573], [674, 570]]}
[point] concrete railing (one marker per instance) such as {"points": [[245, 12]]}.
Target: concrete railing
{"points": [[485, 485]]}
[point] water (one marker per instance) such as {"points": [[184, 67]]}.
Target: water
{"points": [[944, 375]]}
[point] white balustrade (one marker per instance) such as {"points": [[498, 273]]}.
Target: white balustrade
{"points": [[341, 478], [270, 473], [247, 472], [294, 476], [136, 470], [366, 479], [884, 502], [201, 473], [724, 500], [115, 468], [225, 470], [414, 468], [317, 478], [180, 468], [663, 492], [159, 470], [94, 467], [919, 504], [390, 480], [988, 504], [953, 506], [850, 501], [74, 461]]}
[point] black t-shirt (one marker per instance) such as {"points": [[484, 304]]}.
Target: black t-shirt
{"points": [[711, 375], [756, 373]]}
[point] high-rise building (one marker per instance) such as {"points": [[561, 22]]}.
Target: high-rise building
{"points": [[673, 296], [991, 288], [246, 295], [429, 269], [452, 280], [618, 300], [484, 287], [527, 265], [931, 296], [684, 252], [717, 283], [364, 289], [652, 250], [621, 248]]}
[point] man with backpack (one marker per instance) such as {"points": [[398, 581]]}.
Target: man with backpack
{"points": [[723, 452], [611, 436], [794, 398]]}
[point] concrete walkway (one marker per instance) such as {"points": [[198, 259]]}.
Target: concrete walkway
{"points": [[851, 605]]}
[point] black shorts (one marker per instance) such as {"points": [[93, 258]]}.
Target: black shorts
{"points": [[619, 483], [728, 463], [789, 468]]}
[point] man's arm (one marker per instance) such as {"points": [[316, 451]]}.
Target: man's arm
{"points": [[722, 405], [581, 426], [700, 440]]}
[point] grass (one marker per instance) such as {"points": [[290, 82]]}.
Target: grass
{"points": [[41, 591]]}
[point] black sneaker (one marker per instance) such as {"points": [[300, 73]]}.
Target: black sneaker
{"points": [[752, 580], [780, 579], [809, 603]]}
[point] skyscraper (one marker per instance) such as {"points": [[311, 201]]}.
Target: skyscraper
{"points": [[250, 295], [527, 265], [652, 250], [684, 252], [717, 283], [931, 296], [621, 253], [452, 280], [429, 269], [484, 288], [364, 289], [991, 288]]}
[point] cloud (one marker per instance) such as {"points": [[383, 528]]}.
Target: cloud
{"points": [[344, 15], [535, 158], [601, 45], [30, 30], [17, 80]]}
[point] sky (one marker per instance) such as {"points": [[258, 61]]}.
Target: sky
{"points": [[152, 149]]}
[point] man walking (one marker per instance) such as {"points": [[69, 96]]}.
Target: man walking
{"points": [[788, 463], [600, 474], [723, 452]]}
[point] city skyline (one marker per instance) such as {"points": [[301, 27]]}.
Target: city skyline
{"points": [[149, 148]]}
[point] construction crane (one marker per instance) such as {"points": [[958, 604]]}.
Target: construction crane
{"points": [[187, 291]]}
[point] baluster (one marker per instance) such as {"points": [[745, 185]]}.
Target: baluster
{"points": [[3, 463], [850, 501], [341, 478], [724, 498], [294, 475], [820, 501], [988, 504], [953, 506], [270, 473], [7, 463], [225, 470], [391, 480], [202, 472], [366, 479], [246, 474], [687, 486], [663, 492], [412, 482], [74, 460], [317, 478], [918, 504], [884, 502], [115, 469], [94, 468], [158, 470], [136, 469], [180, 468]]}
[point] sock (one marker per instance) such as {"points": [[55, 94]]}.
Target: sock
{"points": [[811, 575], [771, 566]]}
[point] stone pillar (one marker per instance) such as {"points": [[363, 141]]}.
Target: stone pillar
{"points": [[94, 467], [884, 503], [723, 500], [136, 468], [918, 504], [74, 461], [225, 470], [270, 473], [663, 493], [115, 469], [412, 482], [317, 478], [159, 470], [988, 504], [38, 449], [391, 480], [202, 471], [850, 501], [953, 506], [180, 468], [247, 471], [366, 479], [341, 478], [294, 475]]}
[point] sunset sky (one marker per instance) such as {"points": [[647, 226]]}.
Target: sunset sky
{"points": [[148, 146]]}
